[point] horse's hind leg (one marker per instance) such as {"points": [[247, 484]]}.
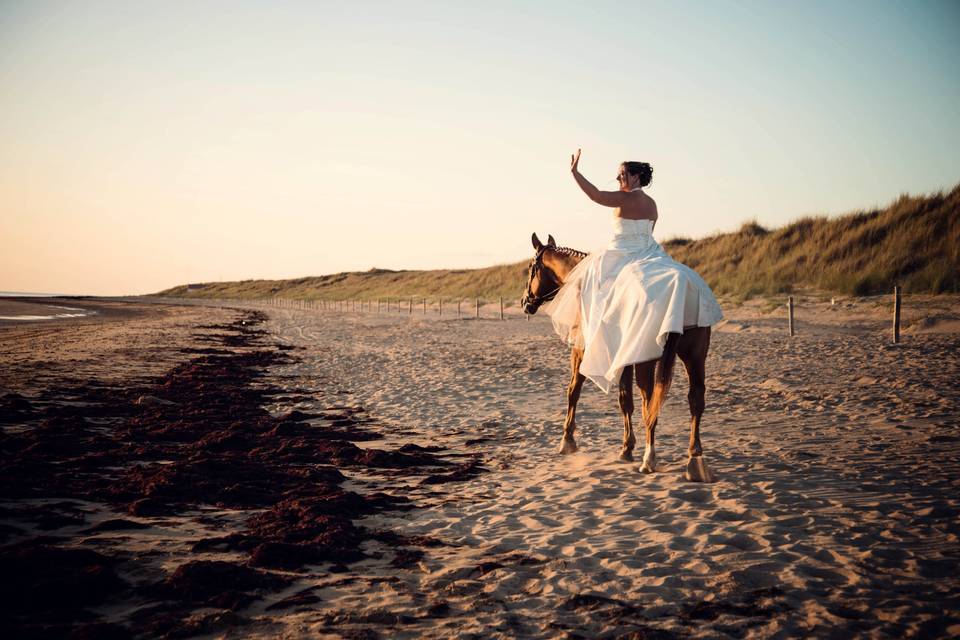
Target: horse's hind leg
{"points": [[645, 380], [568, 444], [693, 354], [626, 408]]}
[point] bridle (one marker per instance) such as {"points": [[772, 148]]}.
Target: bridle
{"points": [[535, 270]]}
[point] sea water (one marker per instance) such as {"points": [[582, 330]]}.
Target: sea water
{"points": [[61, 311]]}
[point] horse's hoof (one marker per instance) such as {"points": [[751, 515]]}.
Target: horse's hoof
{"points": [[626, 456], [698, 471], [567, 446], [649, 461]]}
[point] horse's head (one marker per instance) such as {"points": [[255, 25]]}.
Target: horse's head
{"points": [[542, 280]]}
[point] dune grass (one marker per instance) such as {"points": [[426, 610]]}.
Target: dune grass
{"points": [[914, 242], [488, 284]]}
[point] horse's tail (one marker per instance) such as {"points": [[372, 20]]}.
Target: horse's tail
{"points": [[662, 377]]}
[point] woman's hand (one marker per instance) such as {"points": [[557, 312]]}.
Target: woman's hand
{"points": [[574, 161]]}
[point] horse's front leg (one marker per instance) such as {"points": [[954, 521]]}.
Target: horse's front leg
{"points": [[626, 408], [568, 444]]}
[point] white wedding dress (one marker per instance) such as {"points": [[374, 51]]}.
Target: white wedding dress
{"points": [[620, 303]]}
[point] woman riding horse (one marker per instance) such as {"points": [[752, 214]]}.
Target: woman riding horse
{"points": [[624, 310]]}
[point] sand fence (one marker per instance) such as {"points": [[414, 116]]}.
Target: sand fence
{"points": [[460, 308]]}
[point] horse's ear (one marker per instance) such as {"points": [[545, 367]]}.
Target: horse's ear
{"points": [[536, 242], [550, 241]]}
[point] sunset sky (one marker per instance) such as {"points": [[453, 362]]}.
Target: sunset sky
{"points": [[145, 145]]}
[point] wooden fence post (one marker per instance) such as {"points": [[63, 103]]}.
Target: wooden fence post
{"points": [[896, 314], [790, 313], [440, 308], [501, 307], [410, 309], [478, 307], [458, 307], [424, 306]]}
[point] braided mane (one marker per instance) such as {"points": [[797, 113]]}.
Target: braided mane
{"points": [[567, 251]]}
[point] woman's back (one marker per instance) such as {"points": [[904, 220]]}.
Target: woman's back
{"points": [[637, 205]]}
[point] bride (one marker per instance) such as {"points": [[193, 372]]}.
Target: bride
{"points": [[620, 304]]}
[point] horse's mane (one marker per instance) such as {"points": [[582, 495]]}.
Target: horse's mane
{"points": [[567, 251]]}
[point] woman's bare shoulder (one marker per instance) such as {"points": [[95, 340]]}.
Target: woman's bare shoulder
{"points": [[639, 206]]}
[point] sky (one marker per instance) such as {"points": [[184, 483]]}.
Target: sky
{"points": [[149, 144]]}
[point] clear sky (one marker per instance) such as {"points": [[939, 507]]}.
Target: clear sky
{"points": [[149, 144]]}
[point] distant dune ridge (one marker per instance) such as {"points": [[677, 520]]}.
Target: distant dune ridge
{"points": [[913, 242]]}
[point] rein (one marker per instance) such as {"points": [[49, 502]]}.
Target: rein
{"points": [[547, 297]]}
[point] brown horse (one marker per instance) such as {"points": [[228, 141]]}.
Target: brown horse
{"points": [[546, 275]]}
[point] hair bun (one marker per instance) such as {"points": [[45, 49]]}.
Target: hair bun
{"points": [[641, 169]]}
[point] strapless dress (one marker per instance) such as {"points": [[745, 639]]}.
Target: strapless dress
{"points": [[620, 303]]}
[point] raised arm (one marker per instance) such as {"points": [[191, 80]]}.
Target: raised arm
{"points": [[605, 198]]}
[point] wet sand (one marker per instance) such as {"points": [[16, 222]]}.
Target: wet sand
{"points": [[834, 513]]}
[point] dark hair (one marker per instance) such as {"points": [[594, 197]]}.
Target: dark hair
{"points": [[642, 169]]}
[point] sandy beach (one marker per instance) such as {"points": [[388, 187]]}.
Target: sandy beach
{"points": [[265, 367], [394, 475]]}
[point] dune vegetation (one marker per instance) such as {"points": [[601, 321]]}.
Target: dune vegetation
{"points": [[914, 242], [488, 284]]}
